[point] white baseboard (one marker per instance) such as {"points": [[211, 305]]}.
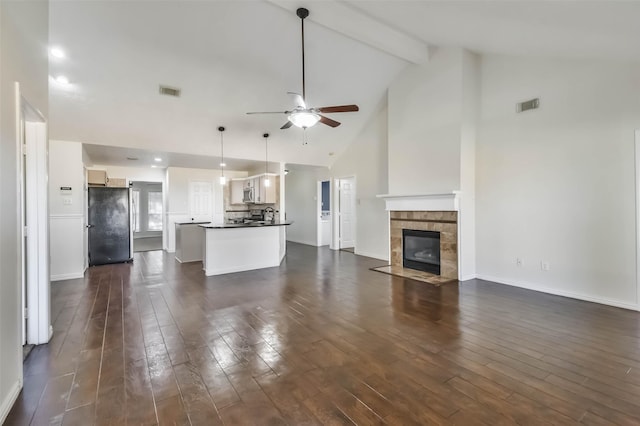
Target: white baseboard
{"points": [[372, 255], [8, 402], [231, 270], [556, 292], [468, 277], [307, 243], [70, 276]]}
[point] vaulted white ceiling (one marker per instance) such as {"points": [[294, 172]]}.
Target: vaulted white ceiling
{"points": [[230, 57]]}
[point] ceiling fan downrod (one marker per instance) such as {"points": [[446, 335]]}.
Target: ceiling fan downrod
{"points": [[303, 13]]}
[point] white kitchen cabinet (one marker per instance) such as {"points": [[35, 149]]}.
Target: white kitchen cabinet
{"points": [[97, 177], [252, 190], [237, 191], [258, 197], [267, 193]]}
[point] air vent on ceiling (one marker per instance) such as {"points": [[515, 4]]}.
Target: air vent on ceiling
{"points": [[132, 158], [170, 91], [527, 105]]}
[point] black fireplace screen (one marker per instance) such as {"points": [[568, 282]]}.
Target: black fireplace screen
{"points": [[421, 250]]}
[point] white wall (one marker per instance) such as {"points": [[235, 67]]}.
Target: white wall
{"points": [[424, 126], [66, 221], [366, 159], [557, 183], [433, 113], [470, 111], [301, 192], [23, 58]]}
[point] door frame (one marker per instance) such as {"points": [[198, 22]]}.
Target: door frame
{"points": [[33, 210], [637, 190], [319, 210]]}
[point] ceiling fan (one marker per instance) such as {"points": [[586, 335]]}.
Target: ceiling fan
{"points": [[303, 116]]}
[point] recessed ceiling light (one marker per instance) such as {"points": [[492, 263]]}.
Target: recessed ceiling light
{"points": [[158, 159], [223, 164], [56, 52], [61, 79], [153, 166]]}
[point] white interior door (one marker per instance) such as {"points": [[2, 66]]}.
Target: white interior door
{"points": [[347, 213], [23, 202], [201, 200], [37, 296]]}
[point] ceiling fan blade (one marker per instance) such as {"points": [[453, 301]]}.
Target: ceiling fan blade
{"points": [[298, 98], [339, 108], [329, 122], [286, 125], [270, 112]]}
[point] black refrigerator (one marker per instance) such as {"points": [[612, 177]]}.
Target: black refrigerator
{"points": [[109, 225]]}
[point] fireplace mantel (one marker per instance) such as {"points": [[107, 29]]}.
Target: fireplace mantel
{"points": [[447, 201]]}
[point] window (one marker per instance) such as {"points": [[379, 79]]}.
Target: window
{"points": [[155, 211], [136, 209]]}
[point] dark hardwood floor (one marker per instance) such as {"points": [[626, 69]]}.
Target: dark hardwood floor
{"points": [[324, 340]]}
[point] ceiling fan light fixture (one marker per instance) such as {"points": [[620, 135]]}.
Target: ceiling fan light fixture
{"points": [[304, 119]]}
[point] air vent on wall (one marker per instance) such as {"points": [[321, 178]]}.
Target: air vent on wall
{"points": [[170, 91], [527, 105]]}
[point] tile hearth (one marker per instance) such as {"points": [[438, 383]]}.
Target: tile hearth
{"points": [[425, 277]]}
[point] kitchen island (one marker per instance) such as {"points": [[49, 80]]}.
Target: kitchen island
{"points": [[189, 241], [243, 246]]}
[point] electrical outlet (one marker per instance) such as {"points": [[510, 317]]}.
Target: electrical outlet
{"points": [[519, 261], [67, 201], [544, 265]]}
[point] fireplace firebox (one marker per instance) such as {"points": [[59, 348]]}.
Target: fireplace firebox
{"points": [[421, 250]]}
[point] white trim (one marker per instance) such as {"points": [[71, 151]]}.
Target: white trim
{"points": [[354, 200], [67, 216], [249, 267], [11, 398], [419, 196], [371, 255], [572, 295], [307, 243], [449, 201], [468, 277], [319, 213], [69, 276], [37, 214], [637, 182]]}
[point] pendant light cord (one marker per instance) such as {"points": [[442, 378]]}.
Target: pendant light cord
{"points": [[266, 153], [221, 129]]}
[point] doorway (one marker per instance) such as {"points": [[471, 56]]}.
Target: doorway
{"points": [[146, 216], [33, 172], [324, 213], [346, 208], [637, 170]]}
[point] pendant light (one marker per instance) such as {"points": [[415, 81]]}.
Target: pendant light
{"points": [[223, 180], [266, 181]]}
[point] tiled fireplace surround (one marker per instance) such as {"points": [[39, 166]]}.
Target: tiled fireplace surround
{"points": [[445, 222], [430, 212]]}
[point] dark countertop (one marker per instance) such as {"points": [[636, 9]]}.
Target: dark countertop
{"points": [[191, 223], [244, 225]]}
